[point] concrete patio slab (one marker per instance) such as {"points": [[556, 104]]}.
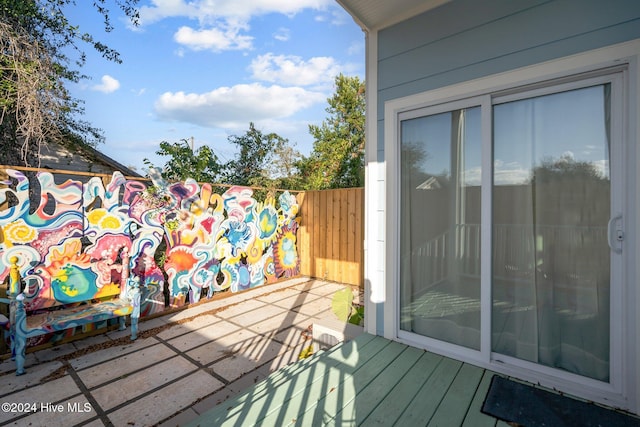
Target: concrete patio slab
{"points": [[223, 347], [166, 401], [63, 414], [185, 363], [251, 317], [125, 365], [200, 321], [36, 398], [280, 322], [113, 352], [203, 335], [136, 384], [37, 374]]}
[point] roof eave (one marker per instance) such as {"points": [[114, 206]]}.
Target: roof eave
{"points": [[379, 17]]}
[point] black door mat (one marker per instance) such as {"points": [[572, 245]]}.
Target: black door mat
{"points": [[528, 406]]}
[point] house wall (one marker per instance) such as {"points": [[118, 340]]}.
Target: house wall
{"points": [[56, 156], [460, 49], [464, 40]]}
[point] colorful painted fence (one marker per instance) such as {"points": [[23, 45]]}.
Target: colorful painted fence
{"points": [[185, 241]]}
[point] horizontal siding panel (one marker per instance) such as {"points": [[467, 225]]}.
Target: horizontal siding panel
{"points": [[605, 37], [446, 21], [535, 27]]}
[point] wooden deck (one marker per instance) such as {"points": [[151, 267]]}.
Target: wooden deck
{"points": [[367, 381]]}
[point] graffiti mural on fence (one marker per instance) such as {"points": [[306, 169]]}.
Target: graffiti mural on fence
{"points": [[70, 245]]}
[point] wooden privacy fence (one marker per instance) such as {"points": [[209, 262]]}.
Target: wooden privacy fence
{"points": [[331, 235]]}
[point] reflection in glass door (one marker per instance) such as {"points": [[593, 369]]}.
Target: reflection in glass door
{"points": [[440, 236], [551, 208]]}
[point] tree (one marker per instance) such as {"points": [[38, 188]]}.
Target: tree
{"points": [[282, 171], [201, 165], [35, 107], [255, 154], [566, 168], [337, 158]]}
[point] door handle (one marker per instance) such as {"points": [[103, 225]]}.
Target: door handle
{"points": [[614, 236]]}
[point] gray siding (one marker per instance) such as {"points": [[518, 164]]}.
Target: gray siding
{"points": [[467, 39]]}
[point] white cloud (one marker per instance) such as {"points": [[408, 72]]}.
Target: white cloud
{"points": [[236, 106], [224, 23], [107, 84], [602, 166], [293, 70], [356, 48], [214, 39], [283, 34], [568, 155], [209, 11], [510, 173]]}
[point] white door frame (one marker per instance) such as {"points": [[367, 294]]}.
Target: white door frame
{"points": [[622, 392]]}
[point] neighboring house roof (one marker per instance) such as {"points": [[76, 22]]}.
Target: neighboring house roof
{"points": [[82, 159], [377, 14]]}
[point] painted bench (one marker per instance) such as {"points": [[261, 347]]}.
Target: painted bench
{"points": [[30, 317]]}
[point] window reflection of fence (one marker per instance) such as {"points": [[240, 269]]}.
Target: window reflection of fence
{"points": [[561, 254]]}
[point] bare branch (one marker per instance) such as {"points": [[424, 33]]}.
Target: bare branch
{"points": [[31, 92]]}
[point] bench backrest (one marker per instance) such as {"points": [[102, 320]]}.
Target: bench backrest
{"points": [[76, 279]]}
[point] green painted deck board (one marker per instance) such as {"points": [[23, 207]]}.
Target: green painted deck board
{"points": [[340, 385], [426, 401], [375, 385], [270, 394], [475, 418], [332, 355], [367, 381], [454, 406], [400, 396], [286, 401]]}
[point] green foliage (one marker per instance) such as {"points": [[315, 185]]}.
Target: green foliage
{"points": [[337, 159], [282, 170], [306, 352], [565, 167], [357, 317], [255, 153], [262, 160], [201, 165], [344, 309], [268, 160]]}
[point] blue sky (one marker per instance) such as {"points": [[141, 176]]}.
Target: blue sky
{"points": [[206, 68]]}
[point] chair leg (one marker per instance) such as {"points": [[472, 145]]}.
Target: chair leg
{"points": [[20, 348], [134, 328], [19, 332]]}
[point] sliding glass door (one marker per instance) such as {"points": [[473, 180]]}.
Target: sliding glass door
{"points": [[551, 206], [509, 226], [440, 202]]}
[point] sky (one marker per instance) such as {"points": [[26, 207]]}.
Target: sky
{"points": [[563, 126], [205, 69]]}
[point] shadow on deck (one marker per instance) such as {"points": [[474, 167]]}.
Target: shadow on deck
{"points": [[367, 381]]}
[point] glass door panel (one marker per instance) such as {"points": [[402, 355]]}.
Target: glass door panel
{"points": [[551, 206], [440, 236]]}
